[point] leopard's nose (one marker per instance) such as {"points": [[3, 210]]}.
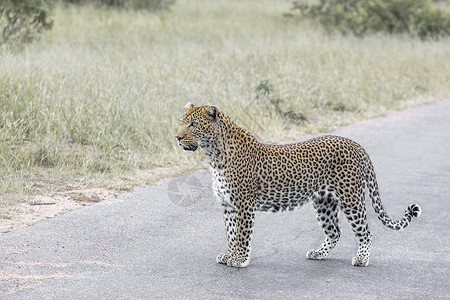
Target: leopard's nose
{"points": [[178, 137]]}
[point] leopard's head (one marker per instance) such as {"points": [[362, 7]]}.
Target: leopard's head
{"points": [[198, 127]]}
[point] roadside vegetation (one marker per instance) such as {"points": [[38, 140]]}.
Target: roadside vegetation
{"points": [[416, 18], [96, 100]]}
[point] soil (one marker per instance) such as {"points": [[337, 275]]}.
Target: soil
{"points": [[41, 207]]}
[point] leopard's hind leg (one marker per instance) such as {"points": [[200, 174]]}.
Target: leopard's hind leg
{"points": [[327, 208], [356, 215]]}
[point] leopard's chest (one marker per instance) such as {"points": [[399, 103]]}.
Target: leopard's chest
{"points": [[222, 188]]}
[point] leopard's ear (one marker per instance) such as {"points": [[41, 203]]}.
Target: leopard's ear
{"points": [[189, 105], [211, 112]]}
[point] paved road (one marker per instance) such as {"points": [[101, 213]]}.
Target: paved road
{"points": [[159, 242]]}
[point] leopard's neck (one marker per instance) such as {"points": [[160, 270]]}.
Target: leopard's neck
{"points": [[229, 142]]}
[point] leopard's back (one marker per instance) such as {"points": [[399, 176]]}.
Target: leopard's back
{"points": [[290, 175]]}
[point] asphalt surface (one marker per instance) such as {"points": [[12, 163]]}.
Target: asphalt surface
{"points": [[161, 241]]}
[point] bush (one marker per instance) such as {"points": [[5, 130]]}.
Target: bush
{"points": [[23, 20], [415, 17], [150, 5]]}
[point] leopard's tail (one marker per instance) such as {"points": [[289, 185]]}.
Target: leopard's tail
{"points": [[413, 210]]}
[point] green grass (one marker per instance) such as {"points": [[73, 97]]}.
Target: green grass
{"points": [[97, 100]]}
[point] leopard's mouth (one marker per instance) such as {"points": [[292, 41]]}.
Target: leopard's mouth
{"points": [[188, 148]]}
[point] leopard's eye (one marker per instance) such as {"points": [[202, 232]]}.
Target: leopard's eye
{"points": [[193, 124]]}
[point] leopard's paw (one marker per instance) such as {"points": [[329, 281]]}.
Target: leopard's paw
{"points": [[315, 255], [360, 261], [238, 262], [223, 258]]}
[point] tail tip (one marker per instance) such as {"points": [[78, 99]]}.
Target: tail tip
{"points": [[415, 210]]}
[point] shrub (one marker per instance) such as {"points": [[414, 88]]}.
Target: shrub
{"points": [[150, 5], [263, 91], [341, 15], [23, 20], [415, 17]]}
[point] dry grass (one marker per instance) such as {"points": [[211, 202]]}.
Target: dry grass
{"points": [[97, 101]]}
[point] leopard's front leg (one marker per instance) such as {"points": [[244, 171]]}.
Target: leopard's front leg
{"points": [[244, 225], [239, 226], [239, 218], [229, 215]]}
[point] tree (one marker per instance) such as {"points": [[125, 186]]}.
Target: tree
{"points": [[23, 20]]}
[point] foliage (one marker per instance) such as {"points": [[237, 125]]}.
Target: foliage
{"points": [[264, 89], [23, 20], [415, 17], [150, 5]]}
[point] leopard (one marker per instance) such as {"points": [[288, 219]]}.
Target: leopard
{"points": [[334, 173]]}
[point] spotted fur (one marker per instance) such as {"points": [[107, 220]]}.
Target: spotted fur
{"points": [[333, 172]]}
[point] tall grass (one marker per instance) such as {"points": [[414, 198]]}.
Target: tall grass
{"points": [[98, 99]]}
